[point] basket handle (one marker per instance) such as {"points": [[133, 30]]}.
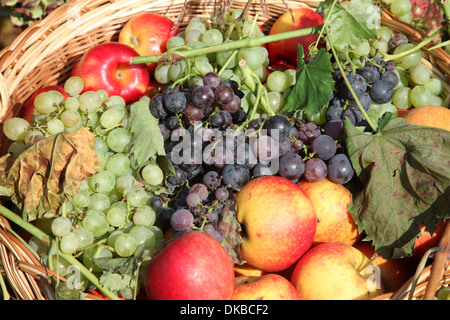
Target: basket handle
{"points": [[4, 96], [438, 265]]}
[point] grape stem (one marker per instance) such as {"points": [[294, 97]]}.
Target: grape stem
{"points": [[45, 238], [247, 42], [420, 45], [358, 103]]}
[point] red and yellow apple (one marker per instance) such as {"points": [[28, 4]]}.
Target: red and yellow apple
{"points": [[335, 271], [394, 272], [278, 221], [192, 266], [148, 33], [330, 201], [266, 287], [107, 67], [285, 51]]}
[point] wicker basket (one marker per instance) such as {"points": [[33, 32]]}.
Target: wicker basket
{"points": [[45, 53]]}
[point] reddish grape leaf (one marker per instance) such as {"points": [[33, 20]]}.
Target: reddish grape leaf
{"points": [[49, 170], [406, 173], [231, 229]]}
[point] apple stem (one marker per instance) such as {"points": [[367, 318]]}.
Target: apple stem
{"points": [[232, 45]]}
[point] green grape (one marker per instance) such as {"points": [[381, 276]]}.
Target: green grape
{"points": [[195, 25], [277, 81], [81, 199], [125, 245], [401, 98], [72, 103], [103, 94], [99, 201], [16, 148], [70, 118], [254, 57], [73, 86], [48, 102], [195, 44], [152, 174], [103, 156], [100, 145], [118, 139], [420, 96], [111, 118], [385, 33], [435, 86], [114, 100], [113, 236], [86, 238], [125, 181], [103, 181], [174, 42], [419, 74], [436, 101], [407, 18], [162, 72], [222, 57], [400, 7], [89, 119], [118, 164], [16, 129], [276, 101], [409, 61], [443, 293], [136, 197], [362, 50], [379, 45], [212, 37], [193, 35], [95, 222], [90, 101], [142, 235], [144, 215], [61, 226], [228, 74], [159, 234], [202, 66], [248, 27], [177, 71], [69, 243], [116, 216]]}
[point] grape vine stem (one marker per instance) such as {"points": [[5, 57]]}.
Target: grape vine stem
{"points": [[243, 43]]}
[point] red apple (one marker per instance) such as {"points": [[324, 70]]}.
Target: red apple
{"points": [[107, 67], [330, 201], [192, 266], [278, 220], [394, 272], [285, 51], [335, 271], [266, 287], [29, 111], [148, 33]]}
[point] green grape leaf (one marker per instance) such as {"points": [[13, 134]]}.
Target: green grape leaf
{"points": [[49, 170], [405, 171], [313, 86], [351, 21]]}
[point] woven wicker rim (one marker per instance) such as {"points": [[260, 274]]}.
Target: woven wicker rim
{"points": [[45, 52]]}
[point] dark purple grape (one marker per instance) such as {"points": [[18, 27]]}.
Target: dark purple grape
{"points": [[181, 219], [285, 146], [235, 176], [353, 114], [369, 74], [165, 132], [358, 84], [156, 203], [233, 106], [315, 170], [277, 127], [334, 128], [324, 147], [163, 218], [390, 66], [223, 94], [228, 118], [193, 113], [222, 194], [172, 123], [179, 177], [333, 112], [298, 145], [211, 180], [364, 100], [157, 108], [193, 199], [265, 148], [239, 116], [390, 77], [381, 92], [397, 40], [340, 169], [263, 169], [203, 97], [244, 155], [175, 101], [217, 120], [212, 80], [200, 189], [308, 132], [291, 166]]}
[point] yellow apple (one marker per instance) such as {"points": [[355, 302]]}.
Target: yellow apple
{"points": [[330, 201], [278, 222], [266, 287], [335, 271]]}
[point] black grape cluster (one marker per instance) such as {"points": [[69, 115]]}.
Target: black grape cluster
{"points": [[215, 151], [373, 83]]}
